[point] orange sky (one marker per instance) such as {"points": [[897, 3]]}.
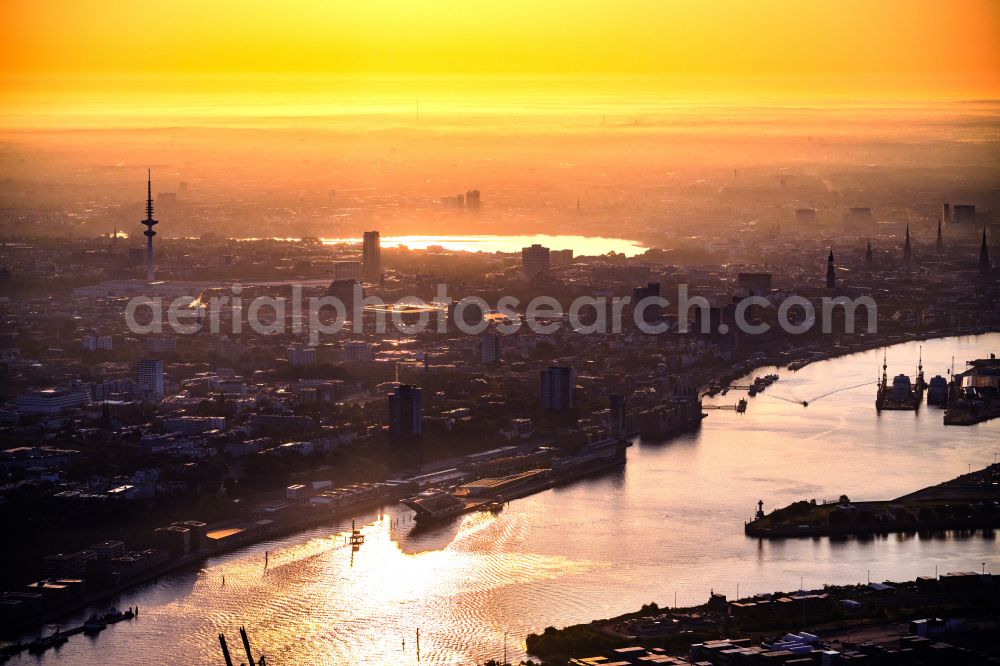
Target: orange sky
{"points": [[859, 47]]}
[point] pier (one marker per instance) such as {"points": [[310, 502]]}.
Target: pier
{"points": [[94, 625], [974, 395]]}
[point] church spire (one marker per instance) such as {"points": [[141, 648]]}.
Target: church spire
{"points": [[869, 257], [984, 256], [940, 239], [907, 251], [831, 276]]}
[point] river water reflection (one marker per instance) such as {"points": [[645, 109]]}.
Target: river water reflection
{"points": [[669, 522]]}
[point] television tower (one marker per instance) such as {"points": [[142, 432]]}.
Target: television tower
{"points": [[149, 222]]}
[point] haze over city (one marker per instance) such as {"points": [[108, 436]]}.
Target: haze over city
{"points": [[319, 119]]}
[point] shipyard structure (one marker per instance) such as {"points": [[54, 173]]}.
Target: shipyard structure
{"points": [[974, 395], [901, 394]]}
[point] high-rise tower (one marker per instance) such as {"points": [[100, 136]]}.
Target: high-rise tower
{"points": [[406, 411], [371, 258], [557, 388], [149, 222], [907, 251], [150, 384], [534, 260], [831, 276], [489, 349], [616, 415]]}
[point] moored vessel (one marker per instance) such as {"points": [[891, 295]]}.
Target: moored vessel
{"points": [[901, 394], [937, 391], [94, 625], [432, 505]]}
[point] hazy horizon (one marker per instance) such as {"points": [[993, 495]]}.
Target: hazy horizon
{"points": [[646, 120], [641, 169]]}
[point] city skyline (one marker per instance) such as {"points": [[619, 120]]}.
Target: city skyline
{"points": [[500, 334]]}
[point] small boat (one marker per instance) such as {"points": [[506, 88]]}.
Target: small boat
{"points": [[357, 538], [114, 615], [741, 406], [494, 507], [94, 625]]}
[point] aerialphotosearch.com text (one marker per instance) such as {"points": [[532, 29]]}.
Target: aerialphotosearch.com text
{"points": [[328, 315]]}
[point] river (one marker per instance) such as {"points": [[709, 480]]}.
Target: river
{"points": [[669, 522]]}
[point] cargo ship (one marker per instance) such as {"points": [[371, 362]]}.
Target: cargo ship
{"points": [[489, 493], [674, 415]]}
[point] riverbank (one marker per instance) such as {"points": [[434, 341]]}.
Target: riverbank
{"points": [[834, 610], [795, 360], [968, 502], [281, 518], [260, 531]]}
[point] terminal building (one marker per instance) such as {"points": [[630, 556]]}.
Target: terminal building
{"points": [[51, 400]]}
